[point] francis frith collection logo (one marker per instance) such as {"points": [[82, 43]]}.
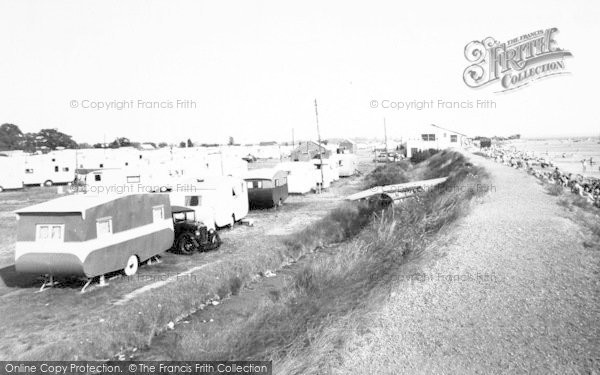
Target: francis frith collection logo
{"points": [[515, 63]]}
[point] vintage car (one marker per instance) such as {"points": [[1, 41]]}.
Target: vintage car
{"points": [[192, 235]]}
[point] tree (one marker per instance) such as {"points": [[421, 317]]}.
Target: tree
{"points": [[189, 143], [98, 145], [182, 144], [231, 141], [120, 142], [162, 144], [52, 138], [84, 145], [11, 137]]}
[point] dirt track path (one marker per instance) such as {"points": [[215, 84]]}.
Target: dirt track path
{"points": [[515, 291]]}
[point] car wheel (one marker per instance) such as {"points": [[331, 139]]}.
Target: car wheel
{"points": [[48, 183], [186, 244], [132, 266], [214, 240]]}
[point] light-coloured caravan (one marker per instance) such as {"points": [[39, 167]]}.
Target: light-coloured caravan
{"points": [[223, 197], [300, 176], [87, 235], [347, 164], [11, 176], [49, 169], [129, 181]]}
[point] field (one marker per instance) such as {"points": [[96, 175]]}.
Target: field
{"points": [[566, 154], [61, 323]]}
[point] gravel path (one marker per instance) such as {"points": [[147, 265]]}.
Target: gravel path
{"points": [[515, 292]]}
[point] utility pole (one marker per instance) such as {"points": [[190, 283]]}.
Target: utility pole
{"points": [[319, 146], [385, 135], [293, 138]]}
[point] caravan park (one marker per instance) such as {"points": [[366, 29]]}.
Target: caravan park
{"points": [[279, 188]]}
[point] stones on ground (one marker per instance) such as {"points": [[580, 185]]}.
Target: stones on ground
{"points": [[269, 273], [171, 325]]}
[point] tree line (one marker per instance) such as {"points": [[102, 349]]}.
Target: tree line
{"points": [[12, 138]]}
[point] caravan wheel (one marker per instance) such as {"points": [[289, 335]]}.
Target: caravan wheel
{"points": [[132, 266], [1, 189], [48, 183]]}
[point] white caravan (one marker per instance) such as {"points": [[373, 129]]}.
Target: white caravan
{"points": [[301, 176], [49, 169], [226, 196], [11, 176], [347, 164]]}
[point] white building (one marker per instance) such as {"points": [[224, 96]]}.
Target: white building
{"points": [[434, 137]]}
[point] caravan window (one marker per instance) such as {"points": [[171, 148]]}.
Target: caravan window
{"points": [[65, 169], [29, 170], [133, 179], [255, 184], [56, 168], [50, 232], [158, 213], [97, 177], [453, 138], [193, 200], [103, 227]]}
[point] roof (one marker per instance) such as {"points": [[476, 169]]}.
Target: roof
{"points": [[453, 131], [78, 203], [262, 174], [175, 209], [303, 144]]}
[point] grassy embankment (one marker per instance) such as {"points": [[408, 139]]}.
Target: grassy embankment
{"points": [[354, 277]]}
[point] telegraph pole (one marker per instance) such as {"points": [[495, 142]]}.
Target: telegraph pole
{"points": [[385, 135], [319, 147]]}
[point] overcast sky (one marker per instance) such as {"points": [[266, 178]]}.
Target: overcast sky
{"points": [[253, 68]]}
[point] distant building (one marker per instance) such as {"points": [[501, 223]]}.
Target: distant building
{"points": [[435, 137], [309, 150], [347, 146]]}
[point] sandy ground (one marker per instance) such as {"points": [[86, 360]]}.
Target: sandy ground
{"points": [[510, 289]]}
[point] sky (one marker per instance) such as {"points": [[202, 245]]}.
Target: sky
{"points": [[253, 69]]}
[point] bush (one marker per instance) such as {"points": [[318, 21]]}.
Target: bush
{"points": [[422, 155], [388, 174]]}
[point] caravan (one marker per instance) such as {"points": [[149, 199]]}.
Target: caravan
{"points": [[12, 175], [267, 187], [87, 235], [49, 169], [300, 176], [347, 164], [224, 198]]}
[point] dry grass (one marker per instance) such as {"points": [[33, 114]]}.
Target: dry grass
{"points": [[584, 214], [554, 189]]}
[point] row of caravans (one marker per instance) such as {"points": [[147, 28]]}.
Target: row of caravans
{"points": [[89, 235], [47, 169]]}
